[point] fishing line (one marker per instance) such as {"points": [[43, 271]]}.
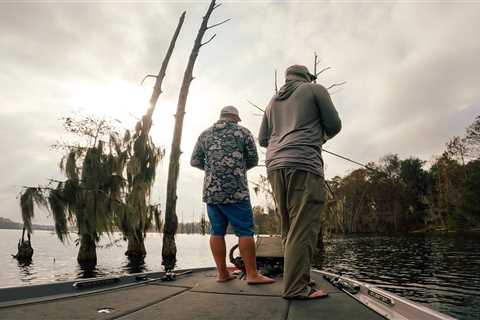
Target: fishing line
{"points": [[348, 159]]}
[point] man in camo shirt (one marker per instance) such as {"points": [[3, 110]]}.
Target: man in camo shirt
{"points": [[225, 151]]}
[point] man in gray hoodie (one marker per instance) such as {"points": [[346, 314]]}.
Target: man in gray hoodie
{"points": [[297, 122]]}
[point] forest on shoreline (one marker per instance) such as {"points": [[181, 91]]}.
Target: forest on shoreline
{"points": [[392, 195], [397, 195]]}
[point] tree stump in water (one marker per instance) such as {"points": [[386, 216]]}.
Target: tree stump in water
{"points": [[136, 246], [87, 254], [25, 251]]}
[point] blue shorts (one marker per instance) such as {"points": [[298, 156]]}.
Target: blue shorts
{"points": [[240, 216]]}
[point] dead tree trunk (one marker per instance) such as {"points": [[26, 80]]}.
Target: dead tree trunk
{"points": [[157, 89], [87, 253], [136, 246], [169, 249]]}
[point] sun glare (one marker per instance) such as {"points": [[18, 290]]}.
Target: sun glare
{"points": [[118, 99]]}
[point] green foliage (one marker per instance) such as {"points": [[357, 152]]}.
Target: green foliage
{"points": [[401, 195], [92, 193], [471, 193], [30, 197], [58, 207], [141, 164], [266, 222], [472, 139]]}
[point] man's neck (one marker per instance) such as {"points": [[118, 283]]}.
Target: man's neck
{"points": [[226, 120]]}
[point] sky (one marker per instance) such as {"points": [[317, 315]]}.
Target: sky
{"points": [[412, 71]]}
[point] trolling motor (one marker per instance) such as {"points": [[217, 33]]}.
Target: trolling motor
{"points": [[237, 261], [268, 265]]}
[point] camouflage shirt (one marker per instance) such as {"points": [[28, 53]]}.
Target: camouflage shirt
{"points": [[225, 152]]}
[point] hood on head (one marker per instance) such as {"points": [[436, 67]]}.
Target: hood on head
{"points": [[295, 76]]}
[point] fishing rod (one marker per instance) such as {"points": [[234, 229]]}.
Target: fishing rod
{"points": [[348, 159], [323, 149]]}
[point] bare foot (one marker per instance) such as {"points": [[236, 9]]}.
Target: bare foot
{"points": [[226, 278], [260, 279], [316, 294], [313, 294]]}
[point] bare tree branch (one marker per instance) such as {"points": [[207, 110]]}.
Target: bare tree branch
{"points": [[208, 40], [157, 88], [338, 84], [317, 62], [216, 6], [323, 70], [276, 87], [146, 77], [220, 23]]}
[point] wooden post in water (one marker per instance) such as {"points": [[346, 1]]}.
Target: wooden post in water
{"points": [[169, 249]]}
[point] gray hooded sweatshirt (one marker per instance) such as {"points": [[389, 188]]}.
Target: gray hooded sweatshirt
{"points": [[297, 122]]}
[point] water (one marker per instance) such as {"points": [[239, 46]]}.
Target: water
{"points": [[54, 261], [442, 272]]}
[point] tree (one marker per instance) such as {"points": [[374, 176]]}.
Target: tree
{"points": [[471, 192], [136, 219], [472, 139], [457, 149], [446, 191], [415, 181], [91, 195], [266, 222], [169, 249], [204, 225], [143, 158]]}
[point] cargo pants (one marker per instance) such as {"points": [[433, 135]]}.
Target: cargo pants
{"points": [[300, 198]]}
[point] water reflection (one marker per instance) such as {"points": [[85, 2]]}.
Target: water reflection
{"points": [[89, 271], [27, 270], [130, 265], [135, 265], [441, 271]]}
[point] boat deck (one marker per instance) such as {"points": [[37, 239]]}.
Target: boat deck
{"points": [[192, 296]]}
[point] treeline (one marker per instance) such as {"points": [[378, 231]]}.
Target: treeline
{"points": [[6, 223], [401, 195], [266, 220], [404, 195], [202, 227]]}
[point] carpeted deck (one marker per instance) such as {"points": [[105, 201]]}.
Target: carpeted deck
{"points": [[191, 296]]}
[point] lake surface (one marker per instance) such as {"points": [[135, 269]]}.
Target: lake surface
{"points": [[442, 272]]}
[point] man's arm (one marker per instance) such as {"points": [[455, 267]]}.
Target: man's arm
{"points": [[264, 134], [331, 122], [251, 154], [198, 155]]}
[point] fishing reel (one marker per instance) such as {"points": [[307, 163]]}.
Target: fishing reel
{"points": [[342, 284]]}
